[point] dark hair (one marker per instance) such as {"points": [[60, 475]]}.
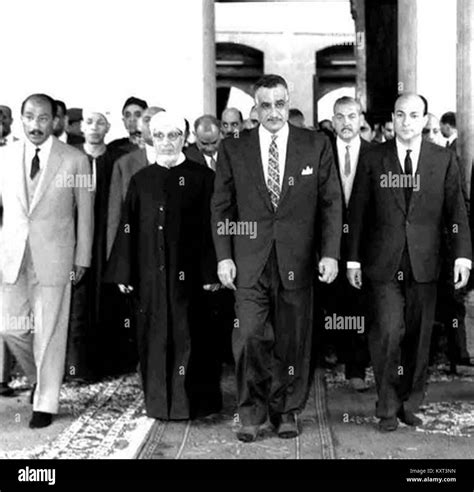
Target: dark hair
{"points": [[60, 104], [425, 102], [295, 113], [448, 118], [269, 82], [206, 120], [135, 100], [6, 111], [41, 98]]}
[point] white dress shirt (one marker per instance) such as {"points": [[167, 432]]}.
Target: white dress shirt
{"points": [[208, 159], [415, 148], [43, 155], [282, 142], [354, 150]]}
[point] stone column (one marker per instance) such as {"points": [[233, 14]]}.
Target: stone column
{"points": [[407, 45], [358, 14], [465, 86], [465, 126], [209, 56]]}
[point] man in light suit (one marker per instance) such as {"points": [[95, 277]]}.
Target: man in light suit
{"points": [[277, 217], [43, 186], [405, 191]]}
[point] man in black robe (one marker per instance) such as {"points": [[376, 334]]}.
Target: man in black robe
{"points": [[100, 340], [163, 253]]}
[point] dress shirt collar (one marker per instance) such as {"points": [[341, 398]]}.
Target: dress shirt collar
{"points": [[452, 138], [266, 136], [415, 148], [30, 150], [354, 144]]}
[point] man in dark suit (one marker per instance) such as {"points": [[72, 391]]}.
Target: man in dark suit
{"points": [[276, 191], [404, 192], [208, 138], [447, 125], [340, 298]]}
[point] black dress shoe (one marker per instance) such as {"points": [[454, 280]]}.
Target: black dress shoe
{"points": [[388, 425], [409, 418], [32, 394], [5, 390], [40, 419], [247, 433], [287, 429]]}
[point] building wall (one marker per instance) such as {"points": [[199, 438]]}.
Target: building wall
{"points": [[289, 34]]}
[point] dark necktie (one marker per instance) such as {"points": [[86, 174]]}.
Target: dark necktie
{"points": [[347, 162], [408, 172], [35, 165], [447, 144]]}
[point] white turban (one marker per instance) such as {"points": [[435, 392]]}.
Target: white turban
{"points": [[92, 110], [167, 119]]}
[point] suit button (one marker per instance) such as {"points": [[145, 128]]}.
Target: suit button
{"points": [[160, 228], [162, 268], [407, 223], [162, 209]]}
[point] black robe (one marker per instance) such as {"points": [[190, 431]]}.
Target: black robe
{"points": [[164, 250], [100, 342]]}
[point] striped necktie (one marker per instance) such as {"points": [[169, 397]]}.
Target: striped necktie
{"points": [[273, 181]]}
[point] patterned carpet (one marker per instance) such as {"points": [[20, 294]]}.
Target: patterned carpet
{"points": [[453, 418], [108, 421]]}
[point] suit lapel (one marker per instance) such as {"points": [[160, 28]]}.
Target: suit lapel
{"points": [[253, 158], [293, 162], [392, 167], [54, 162], [18, 159], [423, 171]]}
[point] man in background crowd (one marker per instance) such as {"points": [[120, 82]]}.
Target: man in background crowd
{"points": [[232, 122]]}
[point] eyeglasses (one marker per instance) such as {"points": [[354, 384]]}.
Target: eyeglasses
{"points": [[171, 136]]}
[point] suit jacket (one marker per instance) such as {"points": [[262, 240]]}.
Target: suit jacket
{"points": [[124, 168], [380, 224], [194, 154], [49, 222], [310, 199]]}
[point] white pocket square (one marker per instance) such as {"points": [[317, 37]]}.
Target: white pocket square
{"points": [[307, 171]]}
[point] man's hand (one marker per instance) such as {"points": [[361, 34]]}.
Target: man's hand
{"points": [[212, 287], [125, 289], [78, 273], [354, 275], [227, 271], [327, 270], [461, 276]]}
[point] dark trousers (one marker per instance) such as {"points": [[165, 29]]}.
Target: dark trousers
{"points": [[272, 347], [400, 325], [342, 299]]}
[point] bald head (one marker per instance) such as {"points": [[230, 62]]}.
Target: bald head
{"points": [[432, 130], [232, 121], [144, 123], [409, 118], [208, 135]]}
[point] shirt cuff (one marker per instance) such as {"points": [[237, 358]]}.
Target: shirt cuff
{"points": [[353, 264], [463, 262]]}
